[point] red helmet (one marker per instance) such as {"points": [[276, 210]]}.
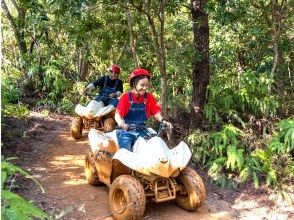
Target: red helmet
{"points": [[138, 72], [114, 68]]}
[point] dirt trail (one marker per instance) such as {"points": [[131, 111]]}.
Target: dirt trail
{"points": [[56, 160]]}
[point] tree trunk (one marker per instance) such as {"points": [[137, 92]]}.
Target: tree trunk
{"points": [[132, 38], [277, 71], [158, 40], [159, 47], [18, 29], [83, 62], [201, 73]]}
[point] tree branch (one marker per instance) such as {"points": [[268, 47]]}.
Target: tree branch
{"points": [[8, 15]]}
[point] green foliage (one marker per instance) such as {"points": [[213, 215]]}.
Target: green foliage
{"points": [[10, 91], [283, 141], [65, 106], [7, 169], [47, 80], [247, 94], [229, 160], [12, 205], [14, 110], [11, 94], [15, 207], [221, 152]]}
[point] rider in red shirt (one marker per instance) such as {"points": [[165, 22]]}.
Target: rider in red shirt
{"points": [[134, 108], [152, 108]]}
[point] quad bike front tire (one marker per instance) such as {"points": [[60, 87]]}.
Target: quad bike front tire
{"points": [[127, 198], [192, 194], [91, 171], [109, 124], [76, 127]]}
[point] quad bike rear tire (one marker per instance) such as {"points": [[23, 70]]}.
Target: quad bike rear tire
{"points": [[109, 124], [192, 194], [91, 171], [76, 127], [127, 198]]}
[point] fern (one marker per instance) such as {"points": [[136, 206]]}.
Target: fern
{"points": [[15, 207], [283, 141], [12, 205]]}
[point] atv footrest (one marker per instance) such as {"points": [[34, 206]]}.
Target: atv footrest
{"points": [[164, 190]]}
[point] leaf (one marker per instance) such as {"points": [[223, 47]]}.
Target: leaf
{"points": [[15, 207], [240, 158], [255, 180], [271, 177], [4, 177], [11, 169], [232, 157], [288, 139], [244, 174]]}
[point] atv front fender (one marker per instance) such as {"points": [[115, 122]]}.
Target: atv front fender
{"points": [[154, 157]]}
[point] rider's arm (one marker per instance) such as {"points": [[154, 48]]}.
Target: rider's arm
{"points": [[155, 110], [119, 89], [123, 105], [118, 94], [99, 82], [94, 84], [88, 88], [121, 123], [158, 117], [122, 110]]}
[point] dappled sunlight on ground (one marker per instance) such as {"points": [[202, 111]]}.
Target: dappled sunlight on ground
{"points": [[273, 206], [68, 160]]}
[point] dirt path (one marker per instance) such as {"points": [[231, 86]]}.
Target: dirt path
{"points": [[56, 160]]}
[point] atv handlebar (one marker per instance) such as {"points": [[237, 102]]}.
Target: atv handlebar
{"points": [[134, 127]]}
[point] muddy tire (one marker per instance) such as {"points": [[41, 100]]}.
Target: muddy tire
{"points": [[127, 198], [91, 171], [76, 127], [109, 124], [192, 194]]}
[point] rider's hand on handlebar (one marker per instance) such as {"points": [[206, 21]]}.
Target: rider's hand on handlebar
{"points": [[85, 91], [124, 126], [112, 95], [167, 124]]}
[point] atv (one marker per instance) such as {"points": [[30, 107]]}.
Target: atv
{"points": [[94, 115], [151, 171]]}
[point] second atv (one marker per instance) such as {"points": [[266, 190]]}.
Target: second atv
{"points": [[94, 115]]}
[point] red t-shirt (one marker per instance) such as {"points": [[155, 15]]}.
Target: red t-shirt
{"points": [[152, 108]]}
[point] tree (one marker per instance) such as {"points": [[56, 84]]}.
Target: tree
{"points": [[201, 73], [155, 15], [18, 26], [132, 37]]}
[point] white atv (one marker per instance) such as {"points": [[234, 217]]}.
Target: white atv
{"points": [[151, 171], [94, 115]]}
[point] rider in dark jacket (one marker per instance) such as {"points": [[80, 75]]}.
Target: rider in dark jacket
{"points": [[111, 87]]}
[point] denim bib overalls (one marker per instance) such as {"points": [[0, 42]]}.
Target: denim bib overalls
{"points": [[135, 118], [105, 92]]}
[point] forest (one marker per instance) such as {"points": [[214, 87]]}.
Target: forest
{"points": [[222, 71]]}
